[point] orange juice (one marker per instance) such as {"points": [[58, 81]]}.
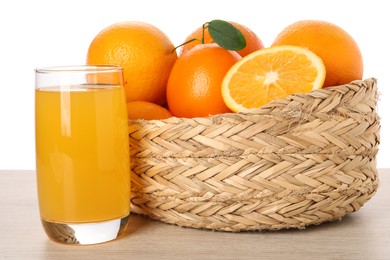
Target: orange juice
{"points": [[82, 154]]}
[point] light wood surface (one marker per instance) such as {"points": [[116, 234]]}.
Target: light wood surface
{"points": [[362, 235]]}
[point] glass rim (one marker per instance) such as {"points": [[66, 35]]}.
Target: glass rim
{"points": [[80, 68]]}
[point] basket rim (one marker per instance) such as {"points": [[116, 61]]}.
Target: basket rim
{"points": [[215, 118]]}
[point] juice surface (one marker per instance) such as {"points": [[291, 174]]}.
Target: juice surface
{"points": [[82, 154]]}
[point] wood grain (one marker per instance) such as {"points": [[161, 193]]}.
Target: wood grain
{"points": [[361, 235]]}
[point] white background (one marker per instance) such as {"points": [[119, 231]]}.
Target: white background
{"points": [[48, 33]]}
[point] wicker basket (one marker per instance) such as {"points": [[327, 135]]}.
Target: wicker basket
{"points": [[299, 161]]}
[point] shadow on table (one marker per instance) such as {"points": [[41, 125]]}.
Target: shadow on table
{"points": [[136, 224]]}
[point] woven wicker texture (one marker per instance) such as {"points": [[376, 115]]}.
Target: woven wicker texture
{"points": [[299, 161]]}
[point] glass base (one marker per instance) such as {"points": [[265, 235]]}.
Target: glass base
{"points": [[85, 233]]}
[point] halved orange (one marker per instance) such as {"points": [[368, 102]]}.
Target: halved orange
{"points": [[270, 74]]}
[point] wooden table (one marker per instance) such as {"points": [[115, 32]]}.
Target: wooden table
{"points": [[362, 235]]}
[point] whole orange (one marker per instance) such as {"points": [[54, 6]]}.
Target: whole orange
{"points": [[144, 52], [338, 50], [194, 86], [253, 42], [146, 110]]}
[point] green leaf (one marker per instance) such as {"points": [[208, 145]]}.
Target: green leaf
{"points": [[226, 35]]}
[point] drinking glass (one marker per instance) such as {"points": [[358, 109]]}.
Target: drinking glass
{"points": [[82, 153]]}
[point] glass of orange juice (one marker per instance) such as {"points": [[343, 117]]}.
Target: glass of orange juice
{"points": [[82, 153]]}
